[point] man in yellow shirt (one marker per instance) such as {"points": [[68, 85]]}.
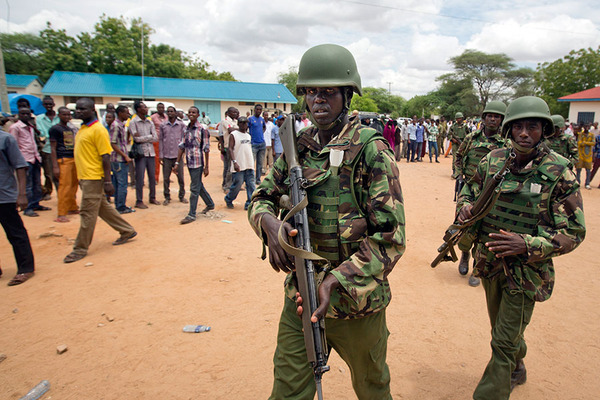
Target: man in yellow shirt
{"points": [[92, 160]]}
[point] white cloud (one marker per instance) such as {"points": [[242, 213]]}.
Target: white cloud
{"points": [[406, 42], [37, 22], [536, 41]]}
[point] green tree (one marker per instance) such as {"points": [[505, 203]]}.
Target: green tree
{"points": [[289, 79], [22, 53], [421, 106], [363, 103], [61, 53], [113, 47], [386, 102], [455, 95], [579, 70], [492, 75], [199, 69]]}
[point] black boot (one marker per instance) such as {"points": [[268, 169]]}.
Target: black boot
{"points": [[463, 265], [519, 375]]}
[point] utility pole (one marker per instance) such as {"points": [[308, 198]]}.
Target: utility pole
{"points": [[3, 88], [142, 26]]}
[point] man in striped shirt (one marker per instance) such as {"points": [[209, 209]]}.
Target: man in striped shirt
{"points": [[196, 141]]}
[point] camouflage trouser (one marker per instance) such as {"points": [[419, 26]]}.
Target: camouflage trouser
{"points": [[454, 151], [361, 343], [510, 312]]}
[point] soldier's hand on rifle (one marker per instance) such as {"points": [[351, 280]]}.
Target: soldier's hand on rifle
{"points": [[506, 244], [330, 283], [277, 256], [465, 213]]}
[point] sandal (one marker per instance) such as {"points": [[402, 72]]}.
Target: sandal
{"points": [[72, 257], [62, 218], [125, 238], [20, 278], [73, 212]]}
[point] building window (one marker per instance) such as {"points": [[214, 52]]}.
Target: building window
{"points": [[246, 103], [585, 118], [284, 106]]}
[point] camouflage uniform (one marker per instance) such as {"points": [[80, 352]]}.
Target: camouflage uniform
{"points": [[564, 145], [543, 204], [443, 131], [363, 247], [456, 135], [474, 147]]}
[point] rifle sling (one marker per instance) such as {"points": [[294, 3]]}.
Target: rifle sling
{"points": [[295, 251]]}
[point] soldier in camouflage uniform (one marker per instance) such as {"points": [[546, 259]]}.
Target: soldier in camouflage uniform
{"points": [[356, 221], [442, 133], [564, 145], [474, 147], [456, 135], [538, 215]]}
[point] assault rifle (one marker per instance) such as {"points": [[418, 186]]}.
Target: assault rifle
{"points": [[314, 332], [458, 185], [480, 209]]}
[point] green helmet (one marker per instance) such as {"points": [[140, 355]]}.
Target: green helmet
{"points": [[495, 107], [328, 65], [559, 121], [458, 115], [528, 107]]}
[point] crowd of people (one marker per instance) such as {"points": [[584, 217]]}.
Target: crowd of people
{"points": [[63, 157], [355, 211]]}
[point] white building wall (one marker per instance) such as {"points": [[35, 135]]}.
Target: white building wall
{"points": [[576, 107]]}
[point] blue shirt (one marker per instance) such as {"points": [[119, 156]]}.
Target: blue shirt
{"points": [[256, 129], [597, 147], [420, 132], [412, 131], [10, 160], [276, 140]]}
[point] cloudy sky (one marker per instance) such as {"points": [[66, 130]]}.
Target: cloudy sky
{"points": [[402, 44]]}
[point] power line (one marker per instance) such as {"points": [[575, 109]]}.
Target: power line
{"points": [[454, 16]]}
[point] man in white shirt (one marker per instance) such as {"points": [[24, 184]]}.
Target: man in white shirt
{"points": [[226, 126], [268, 160]]}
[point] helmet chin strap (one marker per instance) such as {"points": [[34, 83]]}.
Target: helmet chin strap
{"points": [[523, 150]]}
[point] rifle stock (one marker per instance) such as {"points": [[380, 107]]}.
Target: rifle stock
{"points": [[481, 208], [314, 333]]}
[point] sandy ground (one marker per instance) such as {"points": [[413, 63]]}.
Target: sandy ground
{"points": [[210, 272]]}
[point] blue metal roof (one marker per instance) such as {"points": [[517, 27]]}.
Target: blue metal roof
{"points": [[86, 84], [20, 80]]}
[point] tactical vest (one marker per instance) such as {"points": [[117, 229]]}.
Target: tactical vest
{"points": [[323, 209], [459, 132], [558, 145], [521, 195], [473, 158]]}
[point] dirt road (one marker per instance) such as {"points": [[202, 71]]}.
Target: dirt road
{"points": [[209, 272]]}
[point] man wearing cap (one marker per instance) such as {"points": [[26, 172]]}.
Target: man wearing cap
{"points": [[357, 225], [537, 215], [474, 147], [456, 135]]}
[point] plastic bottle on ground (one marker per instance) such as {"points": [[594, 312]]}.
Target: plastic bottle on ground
{"points": [[196, 328], [37, 391]]}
